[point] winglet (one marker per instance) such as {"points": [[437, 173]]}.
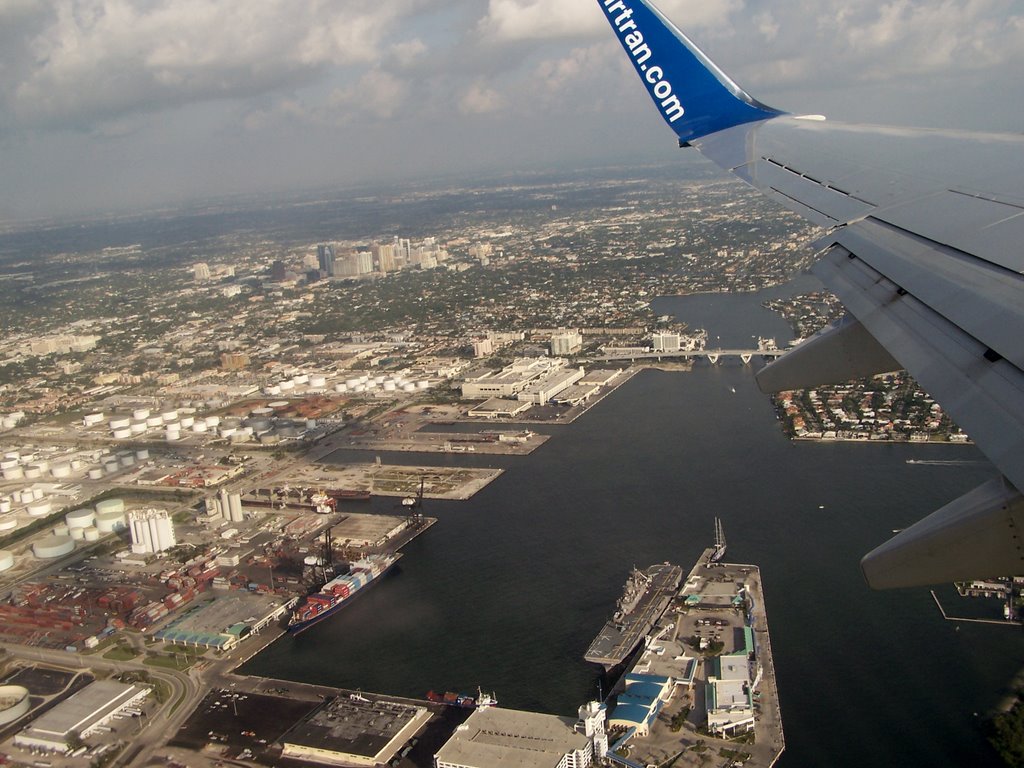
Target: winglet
{"points": [[693, 95]]}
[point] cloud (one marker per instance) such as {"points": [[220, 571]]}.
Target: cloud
{"points": [[479, 99], [380, 93], [100, 59], [540, 19]]}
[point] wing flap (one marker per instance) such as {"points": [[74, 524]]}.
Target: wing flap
{"points": [[985, 395], [975, 537], [986, 302], [842, 352]]}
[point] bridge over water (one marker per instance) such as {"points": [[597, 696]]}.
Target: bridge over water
{"points": [[712, 355]]}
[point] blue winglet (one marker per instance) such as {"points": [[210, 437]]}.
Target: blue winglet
{"points": [[693, 95]]}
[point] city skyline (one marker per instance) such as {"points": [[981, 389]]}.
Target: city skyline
{"points": [[107, 106]]}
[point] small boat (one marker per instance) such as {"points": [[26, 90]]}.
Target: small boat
{"points": [[463, 700]]}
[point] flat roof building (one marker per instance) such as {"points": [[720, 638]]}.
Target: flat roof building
{"points": [[83, 713], [507, 738]]}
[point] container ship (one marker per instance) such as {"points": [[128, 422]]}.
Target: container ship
{"points": [[644, 600], [340, 590]]}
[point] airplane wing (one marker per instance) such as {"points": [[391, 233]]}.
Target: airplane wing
{"points": [[924, 246]]}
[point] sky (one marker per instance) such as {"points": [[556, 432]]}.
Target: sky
{"points": [[121, 105]]}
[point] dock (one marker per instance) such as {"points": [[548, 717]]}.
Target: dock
{"points": [[709, 656]]}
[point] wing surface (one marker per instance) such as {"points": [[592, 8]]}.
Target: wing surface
{"points": [[924, 245]]}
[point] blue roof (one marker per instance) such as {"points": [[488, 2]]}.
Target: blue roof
{"points": [[633, 713], [646, 692]]}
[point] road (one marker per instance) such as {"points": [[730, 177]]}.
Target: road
{"points": [[186, 692]]}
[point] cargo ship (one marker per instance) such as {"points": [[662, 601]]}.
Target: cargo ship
{"points": [[463, 700], [340, 590], [645, 598]]}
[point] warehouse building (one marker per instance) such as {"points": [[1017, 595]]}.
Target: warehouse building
{"points": [[354, 731], [84, 714], [506, 737]]}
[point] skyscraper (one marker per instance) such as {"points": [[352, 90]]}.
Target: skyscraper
{"points": [[325, 258]]}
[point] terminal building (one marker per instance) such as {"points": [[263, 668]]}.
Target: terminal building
{"points": [[506, 737], [729, 696], [533, 380], [85, 713]]}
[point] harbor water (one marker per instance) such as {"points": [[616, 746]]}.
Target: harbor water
{"points": [[508, 590]]}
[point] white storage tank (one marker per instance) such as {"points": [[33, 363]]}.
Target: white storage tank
{"points": [[390, 386], [5, 505], [110, 505], [61, 469], [212, 421], [92, 419], [127, 461], [141, 414], [171, 435], [110, 520], [95, 473], [142, 454], [187, 421], [302, 378], [262, 411], [138, 427], [110, 467], [8, 522], [8, 463], [408, 387], [199, 427], [154, 421], [341, 387], [121, 422], [37, 493], [7, 562], [379, 379], [359, 388], [227, 432], [122, 434], [39, 508], [80, 518], [32, 472], [278, 405], [310, 423], [169, 416], [78, 534], [76, 464], [61, 530], [53, 546], [13, 473], [317, 382], [91, 534], [287, 386], [351, 383]]}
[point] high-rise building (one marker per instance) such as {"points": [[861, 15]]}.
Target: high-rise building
{"points": [[364, 263], [566, 343], [278, 273], [201, 272], [325, 259], [234, 361], [663, 341], [152, 530]]}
